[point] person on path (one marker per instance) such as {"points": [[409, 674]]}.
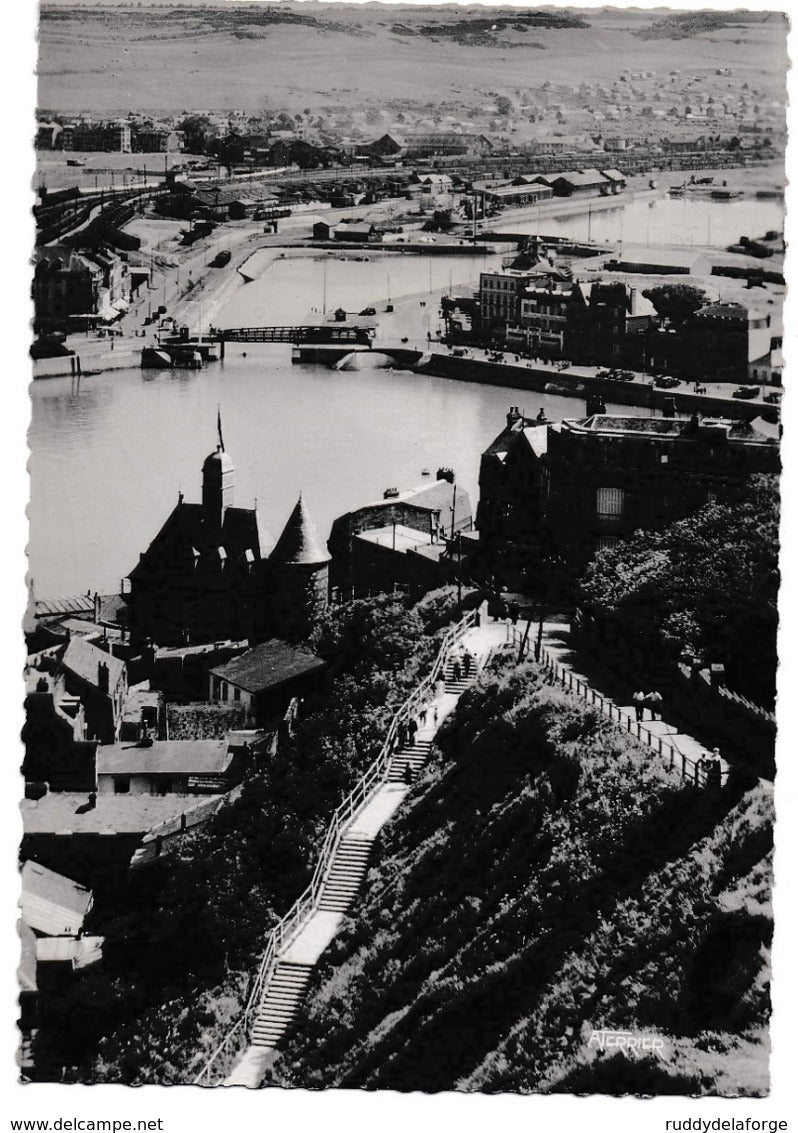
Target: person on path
{"points": [[639, 702], [713, 769], [407, 775], [435, 715], [514, 612], [422, 715], [403, 734], [412, 728], [467, 662], [655, 705], [457, 671]]}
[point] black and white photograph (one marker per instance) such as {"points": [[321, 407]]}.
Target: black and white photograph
{"points": [[395, 703]]}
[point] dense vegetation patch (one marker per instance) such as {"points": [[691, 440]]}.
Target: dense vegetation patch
{"points": [[707, 585], [490, 31], [547, 876], [244, 21], [185, 936], [689, 24]]}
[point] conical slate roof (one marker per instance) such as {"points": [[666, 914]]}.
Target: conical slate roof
{"points": [[300, 542]]}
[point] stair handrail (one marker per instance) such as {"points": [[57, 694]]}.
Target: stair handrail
{"points": [[227, 1041], [351, 803]]}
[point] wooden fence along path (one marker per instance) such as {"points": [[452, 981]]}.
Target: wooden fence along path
{"points": [[298, 940], [664, 742], [301, 936]]}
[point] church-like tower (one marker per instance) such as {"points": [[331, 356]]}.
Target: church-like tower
{"points": [[218, 478], [299, 570]]}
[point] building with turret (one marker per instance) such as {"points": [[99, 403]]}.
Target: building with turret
{"points": [[299, 568], [213, 572]]}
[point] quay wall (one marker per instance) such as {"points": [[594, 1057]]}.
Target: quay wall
{"points": [[568, 384], [77, 365], [414, 248]]}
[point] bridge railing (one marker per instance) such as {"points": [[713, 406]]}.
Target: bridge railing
{"points": [[328, 333], [692, 769], [288, 926]]}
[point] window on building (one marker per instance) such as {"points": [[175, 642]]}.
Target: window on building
{"points": [[121, 784], [610, 503], [606, 542], [236, 694]]}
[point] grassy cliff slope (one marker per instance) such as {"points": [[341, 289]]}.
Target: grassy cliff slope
{"points": [[548, 876]]}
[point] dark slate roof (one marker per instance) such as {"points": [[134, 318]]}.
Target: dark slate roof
{"points": [[57, 607], [83, 659], [268, 665], [667, 427], [299, 542], [186, 533], [733, 312]]}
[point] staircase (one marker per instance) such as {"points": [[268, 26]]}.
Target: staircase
{"points": [[346, 873], [408, 761], [312, 922], [278, 1006], [458, 685]]}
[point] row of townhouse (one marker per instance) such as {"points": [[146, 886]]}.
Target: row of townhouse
{"points": [[107, 137], [72, 287], [545, 313]]}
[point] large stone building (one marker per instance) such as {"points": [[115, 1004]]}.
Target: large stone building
{"points": [[721, 342], [213, 572], [552, 495], [413, 540], [77, 289], [545, 313]]}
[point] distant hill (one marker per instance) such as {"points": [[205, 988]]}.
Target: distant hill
{"points": [[159, 58], [549, 876], [689, 24]]}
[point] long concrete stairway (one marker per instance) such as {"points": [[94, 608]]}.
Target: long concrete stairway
{"points": [[278, 1006], [408, 761], [301, 937], [457, 684], [346, 873]]}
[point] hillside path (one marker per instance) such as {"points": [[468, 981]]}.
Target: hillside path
{"points": [[284, 992]]}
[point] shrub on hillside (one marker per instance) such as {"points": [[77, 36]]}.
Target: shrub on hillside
{"points": [[205, 916], [537, 880], [705, 586]]}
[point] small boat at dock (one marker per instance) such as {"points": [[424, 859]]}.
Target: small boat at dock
{"points": [[153, 358]]}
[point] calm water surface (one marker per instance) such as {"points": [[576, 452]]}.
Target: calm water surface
{"points": [[108, 456], [667, 220]]}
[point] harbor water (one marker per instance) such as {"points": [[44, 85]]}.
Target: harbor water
{"points": [[109, 453], [687, 221]]}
